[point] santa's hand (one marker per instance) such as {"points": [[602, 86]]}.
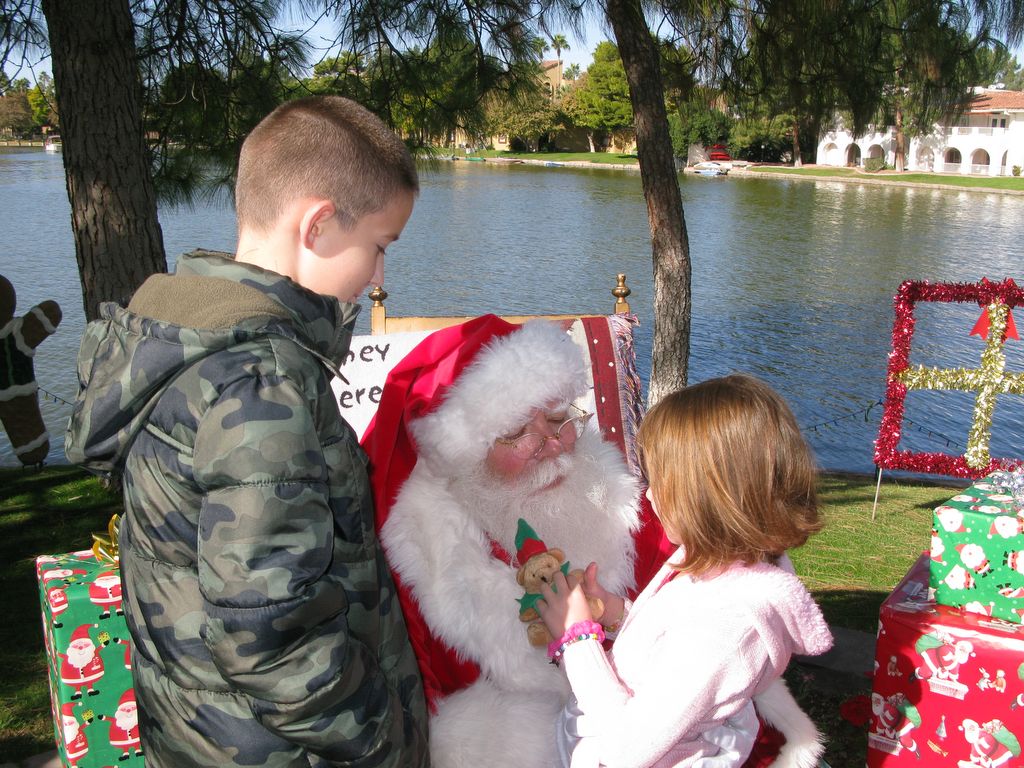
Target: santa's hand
{"points": [[614, 605], [561, 606]]}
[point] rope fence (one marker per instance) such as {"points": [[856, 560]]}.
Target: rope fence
{"points": [[56, 398]]}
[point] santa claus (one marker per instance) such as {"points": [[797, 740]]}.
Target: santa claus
{"points": [[76, 745], [895, 719], [67, 575], [942, 656], [124, 726], [81, 666], [477, 428], [58, 600], [992, 744], [105, 593]]}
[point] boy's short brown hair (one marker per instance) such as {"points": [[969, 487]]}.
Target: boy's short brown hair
{"points": [[325, 147], [732, 477]]}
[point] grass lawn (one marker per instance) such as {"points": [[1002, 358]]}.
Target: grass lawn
{"points": [[976, 182], [1012, 183], [851, 566]]}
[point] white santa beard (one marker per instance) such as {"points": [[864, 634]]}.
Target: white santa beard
{"points": [[596, 495], [126, 720], [80, 657]]}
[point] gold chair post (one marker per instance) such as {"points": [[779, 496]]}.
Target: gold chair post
{"points": [[620, 292], [378, 313]]}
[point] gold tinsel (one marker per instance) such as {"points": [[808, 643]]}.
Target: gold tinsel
{"points": [[989, 381]]}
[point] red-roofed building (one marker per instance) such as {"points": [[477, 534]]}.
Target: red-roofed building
{"points": [[987, 140]]}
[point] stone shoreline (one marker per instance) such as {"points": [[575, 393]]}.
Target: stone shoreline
{"points": [[751, 171]]}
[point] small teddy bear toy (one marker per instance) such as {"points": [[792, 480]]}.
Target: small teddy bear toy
{"points": [[19, 403], [538, 565]]}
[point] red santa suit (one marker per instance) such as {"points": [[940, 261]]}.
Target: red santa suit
{"points": [[494, 698], [58, 600], [124, 725], [105, 593], [75, 743], [81, 665], [992, 745], [896, 720], [942, 657], [451, 558]]}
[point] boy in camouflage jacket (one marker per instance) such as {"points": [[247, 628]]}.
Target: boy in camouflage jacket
{"points": [[265, 626]]}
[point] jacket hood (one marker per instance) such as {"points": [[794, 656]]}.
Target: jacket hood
{"points": [[130, 356], [784, 614]]}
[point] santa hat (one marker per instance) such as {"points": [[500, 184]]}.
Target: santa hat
{"points": [[128, 697], [67, 709], [459, 389], [511, 377], [82, 633], [528, 543]]}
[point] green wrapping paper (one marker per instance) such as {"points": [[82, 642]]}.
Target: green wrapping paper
{"points": [[89, 659], [977, 553]]}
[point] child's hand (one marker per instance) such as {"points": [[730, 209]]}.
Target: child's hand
{"points": [[562, 607], [614, 605]]}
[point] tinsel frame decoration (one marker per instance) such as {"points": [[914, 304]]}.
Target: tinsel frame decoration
{"points": [[989, 380]]}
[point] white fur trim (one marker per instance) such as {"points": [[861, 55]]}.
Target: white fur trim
{"points": [[43, 319], [777, 707], [468, 597], [483, 726], [19, 390], [526, 369], [21, 450]]}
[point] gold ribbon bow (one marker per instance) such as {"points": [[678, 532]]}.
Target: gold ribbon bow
{"points": [[104, 545]]}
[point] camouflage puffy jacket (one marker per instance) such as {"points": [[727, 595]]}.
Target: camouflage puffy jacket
{"points": [[265, 625]]}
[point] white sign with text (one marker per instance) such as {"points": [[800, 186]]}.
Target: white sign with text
{"points": [[370, 359]]}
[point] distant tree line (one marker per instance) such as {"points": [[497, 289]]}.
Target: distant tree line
{"points": [[27, 110]]}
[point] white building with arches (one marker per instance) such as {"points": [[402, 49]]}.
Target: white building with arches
{"points": [[988, 140]]}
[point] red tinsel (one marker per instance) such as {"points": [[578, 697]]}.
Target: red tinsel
{"points": [[887, 454]]}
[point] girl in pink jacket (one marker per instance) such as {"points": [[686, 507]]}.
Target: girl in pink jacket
{"points": [[734, 485]]}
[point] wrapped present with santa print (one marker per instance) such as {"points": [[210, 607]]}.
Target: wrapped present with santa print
{"points": [[977, 552], [88, 652], [948, 687]]}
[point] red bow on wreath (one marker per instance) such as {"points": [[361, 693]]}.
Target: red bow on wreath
{"points": [[981, 327]]}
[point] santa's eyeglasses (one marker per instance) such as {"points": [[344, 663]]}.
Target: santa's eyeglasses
{"points": [[531, 444]]}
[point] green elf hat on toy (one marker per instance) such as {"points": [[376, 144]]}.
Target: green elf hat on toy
{"points": [[528, 543]]}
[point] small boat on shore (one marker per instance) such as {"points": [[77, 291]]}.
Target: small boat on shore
{"points": [[52, 144], [710, 169]]}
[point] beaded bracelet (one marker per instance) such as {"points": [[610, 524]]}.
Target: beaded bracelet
{"points": [[611, 630], [581, 630]]}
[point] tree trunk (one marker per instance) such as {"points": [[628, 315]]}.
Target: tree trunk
{"points": [[670, 249], [118, 242], [797, 160], [900, 152]]}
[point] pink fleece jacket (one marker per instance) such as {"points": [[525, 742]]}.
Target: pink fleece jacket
{"points": [[689, 655]]}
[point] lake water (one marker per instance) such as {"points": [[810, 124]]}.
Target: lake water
{"points": [[792, 280]]}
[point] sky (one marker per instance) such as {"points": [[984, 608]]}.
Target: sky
{"points": [[581, 48]]}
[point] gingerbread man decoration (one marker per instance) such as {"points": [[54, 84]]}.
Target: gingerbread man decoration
{"points": [[19, 403]]}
